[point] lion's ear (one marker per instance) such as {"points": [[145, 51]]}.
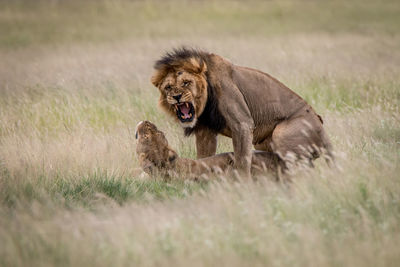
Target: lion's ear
{"points": [[158, 77], [203, 67], [196, 65]]}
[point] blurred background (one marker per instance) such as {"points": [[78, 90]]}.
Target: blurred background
{"points": [[122, 38], [75, 80]]}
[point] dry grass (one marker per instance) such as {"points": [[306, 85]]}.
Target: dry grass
{"points": [[70, 192]]}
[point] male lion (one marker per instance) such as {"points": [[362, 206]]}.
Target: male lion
{"points": [[156, 157], [209, 95]]}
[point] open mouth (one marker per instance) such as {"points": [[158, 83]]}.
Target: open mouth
{"points": [[184, 111]]}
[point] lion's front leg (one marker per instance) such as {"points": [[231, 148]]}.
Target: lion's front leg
{"points": [[206, 143], [242, 146]]}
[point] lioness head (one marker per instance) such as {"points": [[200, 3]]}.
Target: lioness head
{"points": [[152, 148], [181, 78]]}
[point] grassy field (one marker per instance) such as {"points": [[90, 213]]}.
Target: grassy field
{"points": [[75, 80]]}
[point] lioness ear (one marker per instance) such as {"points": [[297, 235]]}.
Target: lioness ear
{"points": [[142, 159], [172, 156]]}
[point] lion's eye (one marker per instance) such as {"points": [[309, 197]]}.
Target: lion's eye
{"points": [[186, 83], [168, 87]]}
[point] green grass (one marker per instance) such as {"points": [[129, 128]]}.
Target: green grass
{"points": [[75, 80], [88, 190]]}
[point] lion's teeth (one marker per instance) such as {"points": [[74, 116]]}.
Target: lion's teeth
{"points": [[187, 104], [183, 117]]}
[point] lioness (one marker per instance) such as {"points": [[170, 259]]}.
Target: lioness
{"points": [[156, 157], [209, 95]]}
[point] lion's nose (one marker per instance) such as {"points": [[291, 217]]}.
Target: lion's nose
{"points": [[177, 97]]}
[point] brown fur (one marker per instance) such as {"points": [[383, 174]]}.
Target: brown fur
{"points": [[156, 157], [245, 104], [152, 148]]}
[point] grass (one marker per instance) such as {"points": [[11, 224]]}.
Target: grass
{"points": [[74, 81], [87, 190], [43, 22]]}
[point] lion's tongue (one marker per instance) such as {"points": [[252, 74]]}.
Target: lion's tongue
{"points": [[185, 111]]}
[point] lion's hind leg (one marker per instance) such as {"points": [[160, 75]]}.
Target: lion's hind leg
{"points": [[299, 139]]}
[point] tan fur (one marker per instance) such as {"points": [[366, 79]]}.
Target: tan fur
{"points": [[256, 108], [195, 92], [157, 158], [152, 150]]}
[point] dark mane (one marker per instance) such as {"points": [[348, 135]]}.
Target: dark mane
{"points": [[178, 55], [211, 117]]}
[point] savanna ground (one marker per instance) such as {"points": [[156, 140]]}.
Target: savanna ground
{"points": [[74, 81]]}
